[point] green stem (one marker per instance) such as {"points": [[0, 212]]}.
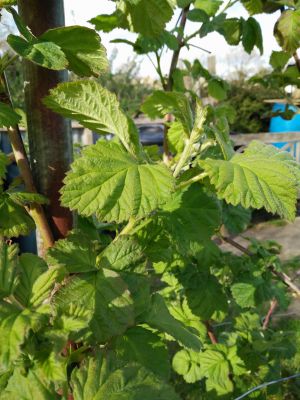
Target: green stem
{"points": [[196, 178]]}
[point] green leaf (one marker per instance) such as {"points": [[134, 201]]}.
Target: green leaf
{"points": [[187, 363], [98, 379], [124, 254], [252, 35], [45, 54], [287, 30], [160, 318], [4, 161], [232, 31], [77, 253], [143, 346], [6, 3], [260, 177], [197, 15], [112, 184], [30, 386], [105, 297], [235, 218], [31, 268], [209, 6], [82, 48], [14, 329], [216, 368], [141, 16], [108, 22], [244, 294], [95, 108], [161, 103], [217, 89], [253, 6], [279, 59], [8, 117], [204, 294], [140, 291], [44, 284], [8, 268], [176, 137], [25, 198], [14, 219], [191, 216]]}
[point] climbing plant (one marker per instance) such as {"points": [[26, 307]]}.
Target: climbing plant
{"points": [[139, 301]]}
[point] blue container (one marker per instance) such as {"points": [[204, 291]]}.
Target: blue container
{"points": [[278, 124]]}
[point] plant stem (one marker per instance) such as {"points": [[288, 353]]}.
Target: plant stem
{"points": [[36, 210], [159, 71], [281, 275], [273, 305], [196, 178], [210, 333]]}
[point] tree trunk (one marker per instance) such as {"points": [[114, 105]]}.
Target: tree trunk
{"points": [[49, 134]]}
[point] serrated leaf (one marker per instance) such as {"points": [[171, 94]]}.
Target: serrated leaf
{"points": [[235, 218], [232, 31], [108, 22], [104, 295], [8, 117], [160, 318], [143, 346], [216, 89], [216, 368], [45, 54], [77, 253], [187, 363], [14, 219], [95, 108], [140, 16], [31, 267], [82, 48], [140, 291], [124, 254], [176, 137], [110, 183], [260, 177], [287, 30], [253, 6], [8, 268], [161, 103], [100, 379]]}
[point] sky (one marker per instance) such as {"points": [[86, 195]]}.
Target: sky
{"points": [[79, 12]]}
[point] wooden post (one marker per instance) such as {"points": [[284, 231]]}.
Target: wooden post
{"points": [[49, 134]]}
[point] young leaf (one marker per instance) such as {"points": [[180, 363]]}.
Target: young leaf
{"points": [[160, 318], [82, 48], [95, 108], [253, 6], [8, 117], [143, 346], [109, 182], [109, 22], [260, 177], [216, 89], [14, 219], [244, 294], [161, 103], [287, 30], [104, 295], [279, 59], [8, 268], [187, 363], [100, 379], [77, 253]]}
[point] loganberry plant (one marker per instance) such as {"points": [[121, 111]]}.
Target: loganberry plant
{"points": [[138, 301]]}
